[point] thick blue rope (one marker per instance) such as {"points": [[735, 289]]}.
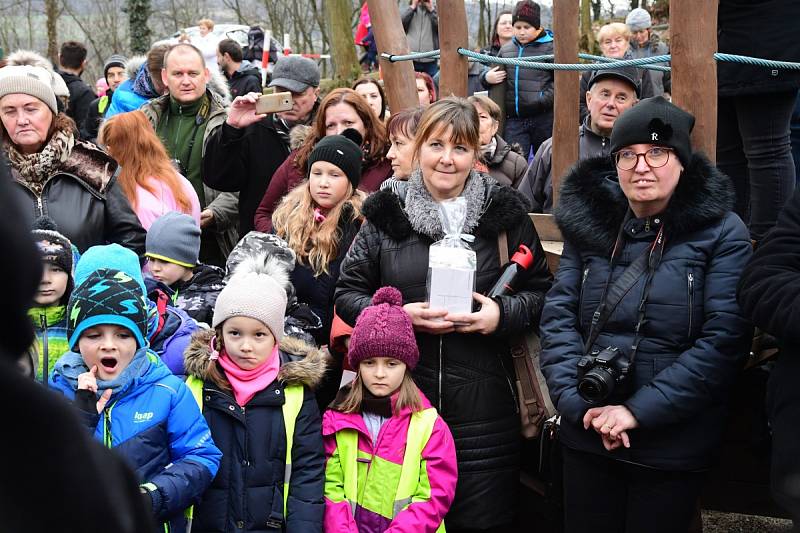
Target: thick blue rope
{"points": [[605, 63]]}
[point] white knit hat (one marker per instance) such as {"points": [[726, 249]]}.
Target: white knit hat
{"points": [[255, 290], [33, 81]]}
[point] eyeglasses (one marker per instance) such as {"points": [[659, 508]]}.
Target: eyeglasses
{"points": [[655, 157]]}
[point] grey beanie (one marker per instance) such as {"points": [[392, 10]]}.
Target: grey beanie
{"points": [[115, 60], [33, 81], [174, 237], [255, 290], [638, 20]]}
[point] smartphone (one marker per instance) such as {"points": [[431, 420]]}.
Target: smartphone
{"points": [[274, 103]]}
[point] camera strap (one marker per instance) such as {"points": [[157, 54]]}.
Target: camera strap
{"points": [[613, 293]]}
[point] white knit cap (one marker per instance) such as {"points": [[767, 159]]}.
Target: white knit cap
{"points": [[255, 290], [638, 20], [33, 81]]}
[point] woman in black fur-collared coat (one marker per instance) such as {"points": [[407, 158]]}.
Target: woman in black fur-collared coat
{"points": [[633, 461], [464, 370]]}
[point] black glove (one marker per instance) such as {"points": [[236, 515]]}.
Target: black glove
{"points": [[86, 400]]}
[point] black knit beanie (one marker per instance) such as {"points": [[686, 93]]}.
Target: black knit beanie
{"points": [[115, 60], [343, 150], [655, 121], [527, 11], [55, 247]]}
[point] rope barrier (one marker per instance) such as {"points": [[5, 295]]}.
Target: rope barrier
{"points": [[603, 63]]}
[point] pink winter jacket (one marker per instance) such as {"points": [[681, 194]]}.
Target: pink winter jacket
{"points": [[432, 500], [150, 206]]}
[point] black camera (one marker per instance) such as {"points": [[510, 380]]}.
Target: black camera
{"points": [[601, 373]]}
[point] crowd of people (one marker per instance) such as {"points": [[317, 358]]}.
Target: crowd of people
{"points": [[240, 304]]}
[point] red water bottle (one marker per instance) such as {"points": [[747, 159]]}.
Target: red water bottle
{"points": [[506, 283]]}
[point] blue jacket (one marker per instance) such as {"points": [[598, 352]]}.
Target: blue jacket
{"points": [[693, 339], [173, 338], [155, 425], [529, 92], [124, 100], [247, 494]]}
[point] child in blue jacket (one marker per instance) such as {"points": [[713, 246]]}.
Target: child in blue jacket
{"points": [[130, 400]]}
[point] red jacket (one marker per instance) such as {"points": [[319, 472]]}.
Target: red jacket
{"points": [[288, 176]]}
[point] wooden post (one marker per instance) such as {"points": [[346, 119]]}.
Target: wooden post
{"points": [[565, 113], [401, 89], [693, 31], [452, 35]]}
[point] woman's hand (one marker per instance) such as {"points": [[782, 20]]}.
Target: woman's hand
{"points": [[242, 112], [88, 382], [484, 321], [612, 423], [424, 319], [496, 75]]}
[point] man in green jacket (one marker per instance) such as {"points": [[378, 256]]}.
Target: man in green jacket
{"points": [[184, 119]]}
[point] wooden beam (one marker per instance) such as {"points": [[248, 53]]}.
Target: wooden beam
{"points": [[401, 89], [452, 35], [693, 41], [566, 118]]}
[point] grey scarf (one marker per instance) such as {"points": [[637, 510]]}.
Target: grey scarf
{"points": [[423, 210]]}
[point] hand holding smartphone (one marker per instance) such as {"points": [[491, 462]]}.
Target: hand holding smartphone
{"points": [[274, 103]]}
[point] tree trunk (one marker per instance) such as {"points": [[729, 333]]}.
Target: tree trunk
{"points": [[482, 37], [138, 15], [340, 31], [51, 10], [634, 4], [597, 7], [587, 35]]}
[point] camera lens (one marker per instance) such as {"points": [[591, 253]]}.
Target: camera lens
{"points": [[596, 385]]}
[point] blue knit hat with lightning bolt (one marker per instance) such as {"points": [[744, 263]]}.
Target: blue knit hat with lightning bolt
{"points": [[107, 296]]}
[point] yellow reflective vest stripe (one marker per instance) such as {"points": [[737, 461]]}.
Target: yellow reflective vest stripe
{"points": [[419, 432], [293, 401]]}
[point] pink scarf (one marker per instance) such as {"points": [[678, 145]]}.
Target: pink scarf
{"points": [[246, 383]]}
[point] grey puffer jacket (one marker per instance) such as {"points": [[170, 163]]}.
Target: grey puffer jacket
{"points": [[662, 81], [537, 185], [466, 376]]}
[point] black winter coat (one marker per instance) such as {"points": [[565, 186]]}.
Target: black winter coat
{"points": [[80, 96], [529, 92], [245, 80], [467, 377], [247, 494], [693, 338], [769, 293], [757, 28], [244, 160], [83, 199]]}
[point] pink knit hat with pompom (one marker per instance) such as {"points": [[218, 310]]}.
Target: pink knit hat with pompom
{"points": [[384, 330]]}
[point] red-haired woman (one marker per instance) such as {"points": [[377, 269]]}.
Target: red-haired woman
{"points": [[147, 177], [340, 110]]}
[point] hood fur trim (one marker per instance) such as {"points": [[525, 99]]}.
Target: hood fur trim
{"points": [[503, 209], [592, 206], [218, 86], [301, 363], [298, 135], [133, 65], [86, 162]]}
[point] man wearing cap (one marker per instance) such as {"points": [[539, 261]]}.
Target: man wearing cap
{"points": [[247, 150], [185, 119], [645, 43], [611, 93], [114, 73]]}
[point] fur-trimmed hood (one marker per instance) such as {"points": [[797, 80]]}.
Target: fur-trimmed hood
{"points": [[502, 209], [592, 207], [301, 363], [133, 65]]}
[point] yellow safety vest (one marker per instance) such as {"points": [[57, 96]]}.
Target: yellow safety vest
{"points": [[419, 432], [293, 401]]}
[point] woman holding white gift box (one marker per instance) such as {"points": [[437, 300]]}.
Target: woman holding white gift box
{"points": [[465, 367]]}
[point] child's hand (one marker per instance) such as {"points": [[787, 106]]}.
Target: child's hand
{"points": [[496, 75], [88, 382]]}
